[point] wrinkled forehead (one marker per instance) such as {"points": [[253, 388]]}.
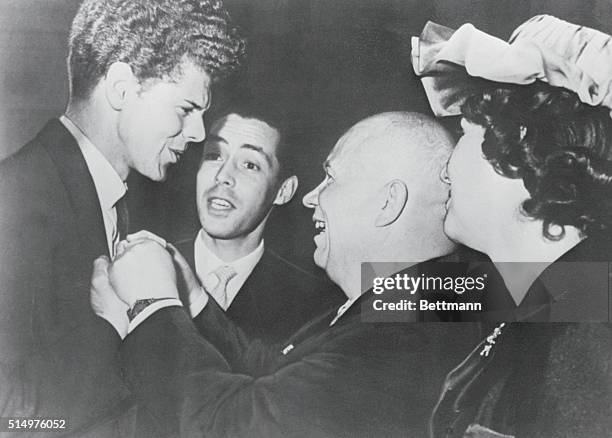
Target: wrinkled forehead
{"points": [[234, 128]]}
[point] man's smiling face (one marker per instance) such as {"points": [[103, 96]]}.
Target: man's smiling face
{"points": [[341, 206], [238, 178]]}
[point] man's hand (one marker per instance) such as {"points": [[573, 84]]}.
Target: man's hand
{"points": [[190, 289], [144, 234], [104, 301], [144, 269], [189, 281]]}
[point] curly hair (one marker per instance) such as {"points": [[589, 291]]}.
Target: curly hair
{"points": [[560, 147], [153, 37]]}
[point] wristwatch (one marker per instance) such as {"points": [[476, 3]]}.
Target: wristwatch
{"points": [[140, 305]]}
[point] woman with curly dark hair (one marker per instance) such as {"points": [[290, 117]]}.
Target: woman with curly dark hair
{"points": [[530, 186], [530, 179], [557, 151]]}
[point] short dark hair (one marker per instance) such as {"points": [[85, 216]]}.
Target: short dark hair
{"points": [[560, 147], [153, 37], [267, 110]]}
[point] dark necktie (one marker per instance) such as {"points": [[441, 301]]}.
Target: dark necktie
{"points": [[123, 219]]}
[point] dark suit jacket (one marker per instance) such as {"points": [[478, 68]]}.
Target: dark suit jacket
{"points": [[55, 352], [277, 298], [353, 379], [539, 380]]}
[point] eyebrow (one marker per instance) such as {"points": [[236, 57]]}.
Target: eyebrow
{"points": [[218, 139], [196, 105], [259, 150]]}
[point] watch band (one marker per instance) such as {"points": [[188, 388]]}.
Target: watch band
{"points": [[140, 305]]}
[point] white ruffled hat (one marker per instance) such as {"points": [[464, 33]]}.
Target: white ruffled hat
{"points": [[543, 48]]}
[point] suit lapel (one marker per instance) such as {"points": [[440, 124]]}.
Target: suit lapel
{"points": [[187, 248], [68, 159], [246, 301], [321, 324], [313, 328]]}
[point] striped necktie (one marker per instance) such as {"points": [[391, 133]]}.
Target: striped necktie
{"points": [[122, 226]]}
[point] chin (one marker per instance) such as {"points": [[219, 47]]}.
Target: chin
{"points": [[157, 175], [220, 234], [462, 235], [162, 175], [319, 259], [450, 231]]}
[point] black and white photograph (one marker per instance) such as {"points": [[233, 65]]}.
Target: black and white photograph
{"points": [[305, 218]]}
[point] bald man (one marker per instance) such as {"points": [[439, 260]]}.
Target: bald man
{"points": [[337, 376], [381, 199]]}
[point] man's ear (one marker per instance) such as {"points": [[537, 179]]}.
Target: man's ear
{"points": [[394, 198], [286, 190], [118, 82]]}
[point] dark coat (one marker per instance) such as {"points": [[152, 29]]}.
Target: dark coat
{"points": [[538, 380], [277, 298], [573, 289], [353, 379], [56, 354]]}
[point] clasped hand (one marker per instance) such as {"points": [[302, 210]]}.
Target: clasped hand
{"points": [[144, 267]]}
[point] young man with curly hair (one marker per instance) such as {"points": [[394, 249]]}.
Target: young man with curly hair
{"points": [[140, 75]]}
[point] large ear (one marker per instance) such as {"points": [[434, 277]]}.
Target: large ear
{"points": [[393, 201], [286, 190], [119, 80]]}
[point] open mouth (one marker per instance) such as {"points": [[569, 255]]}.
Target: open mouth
{"points": [[319, 226], [220, 204], [177, 154]]}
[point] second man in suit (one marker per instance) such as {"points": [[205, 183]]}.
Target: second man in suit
{"points": [[246, 171]]}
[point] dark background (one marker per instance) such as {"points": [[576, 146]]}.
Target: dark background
{"points": [[327, 63]]}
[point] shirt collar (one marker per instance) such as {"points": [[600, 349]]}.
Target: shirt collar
{"points": [[109, 186], [342, 310], [210, 262]]}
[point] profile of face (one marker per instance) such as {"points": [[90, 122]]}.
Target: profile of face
{"points": [[160, 117], [481, 201], [238, 178], [342, 205]]}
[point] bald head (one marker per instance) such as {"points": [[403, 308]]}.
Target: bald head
{"points": [[405, 145], [382, 199]]}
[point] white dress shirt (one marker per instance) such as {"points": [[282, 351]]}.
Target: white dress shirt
{"points": [[206, 262], [342, 310], [109, 186]]}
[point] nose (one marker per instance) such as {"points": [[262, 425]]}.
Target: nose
{"points": [[444, 174], [311, 199], [193, 129], [225, 175]]}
